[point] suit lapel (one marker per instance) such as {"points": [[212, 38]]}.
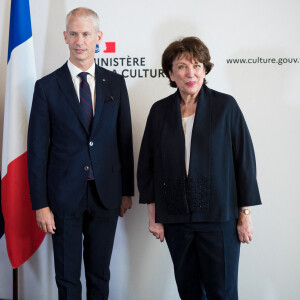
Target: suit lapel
{"points": [[67, 86], [200, 157], [102, 93], [173, 142]]}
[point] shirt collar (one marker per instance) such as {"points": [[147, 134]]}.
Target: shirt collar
{"points": [[75, 70]]}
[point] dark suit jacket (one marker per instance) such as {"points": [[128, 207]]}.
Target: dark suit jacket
{"points": [[222, 171], [59, 147]]}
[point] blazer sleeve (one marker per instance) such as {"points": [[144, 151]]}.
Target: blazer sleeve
{"points": [[244, 160], [38, 144], [145, 170], [125, 142]]}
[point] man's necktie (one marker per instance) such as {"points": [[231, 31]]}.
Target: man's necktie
{"points": [[86, 99], [86, 106]]}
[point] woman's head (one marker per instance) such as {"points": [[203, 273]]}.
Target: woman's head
{"points": [[189, 49]]}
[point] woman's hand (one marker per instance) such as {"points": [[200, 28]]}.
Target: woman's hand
{"points": [[245, 227], [157, 229]]}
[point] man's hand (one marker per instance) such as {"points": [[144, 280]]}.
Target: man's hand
{"points": [[157, 229], [45, 220], [245, 228], [126, 204]]}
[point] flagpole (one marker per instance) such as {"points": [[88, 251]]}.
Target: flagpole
{"points": [[15, 284]]}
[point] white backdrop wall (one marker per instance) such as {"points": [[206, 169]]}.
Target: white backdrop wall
{"points": [[268, 93]]}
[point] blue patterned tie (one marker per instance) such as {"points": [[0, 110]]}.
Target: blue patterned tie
{"points": [[86, 99], [86, 106]]}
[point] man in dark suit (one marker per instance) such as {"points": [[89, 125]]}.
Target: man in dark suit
{"points": [[80, 159]]}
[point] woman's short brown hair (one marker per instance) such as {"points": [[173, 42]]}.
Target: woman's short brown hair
{"points": [[189, 47]]}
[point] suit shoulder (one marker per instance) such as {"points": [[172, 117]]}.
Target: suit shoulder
{"points": [[51, 76], [164, 103], [223, 99]]}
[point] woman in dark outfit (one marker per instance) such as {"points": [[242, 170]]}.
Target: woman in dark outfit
{"points": [[197, 174]]}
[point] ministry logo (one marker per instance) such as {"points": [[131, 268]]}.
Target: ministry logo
{"points": [[126, 65], [110, 48]]}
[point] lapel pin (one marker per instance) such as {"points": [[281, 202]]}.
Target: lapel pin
{"points": [[111, 98], [103, 79]]}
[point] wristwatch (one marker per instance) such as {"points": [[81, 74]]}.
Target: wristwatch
{"points": [[246, 211]]}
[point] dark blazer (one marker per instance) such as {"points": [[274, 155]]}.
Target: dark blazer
{"points": [[222, 171], [60, 147]]}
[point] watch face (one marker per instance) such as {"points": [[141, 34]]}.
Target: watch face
{"points": [[246, 211]]}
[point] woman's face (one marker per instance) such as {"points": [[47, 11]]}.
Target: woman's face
{"points": [[188, 76]]}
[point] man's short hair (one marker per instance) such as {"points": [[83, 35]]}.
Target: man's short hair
{"points": [[84, 12]]}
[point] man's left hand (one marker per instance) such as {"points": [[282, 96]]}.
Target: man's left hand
{"points": [[126, 204]]}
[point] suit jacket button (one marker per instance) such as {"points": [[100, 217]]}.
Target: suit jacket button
{"points": [[86, 168], [91, 143]]}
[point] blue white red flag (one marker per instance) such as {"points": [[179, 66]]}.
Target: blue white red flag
{"points": [[1, 220], [23, 237]]}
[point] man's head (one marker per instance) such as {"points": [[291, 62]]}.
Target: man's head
{"points": [[82, 35]]}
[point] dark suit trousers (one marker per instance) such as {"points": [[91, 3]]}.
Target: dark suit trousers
{"points": [[97, 225], [205, 258]]}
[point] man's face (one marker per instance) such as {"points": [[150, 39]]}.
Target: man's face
{"points": [[82, 38]]}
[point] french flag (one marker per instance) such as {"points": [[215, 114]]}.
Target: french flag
{"points": [[23, 237]]}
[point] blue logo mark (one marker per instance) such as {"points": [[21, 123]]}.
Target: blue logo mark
{"points": [[97, 50]]}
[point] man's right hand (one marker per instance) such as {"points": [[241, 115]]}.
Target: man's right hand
{"points": [[45, 220]]}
